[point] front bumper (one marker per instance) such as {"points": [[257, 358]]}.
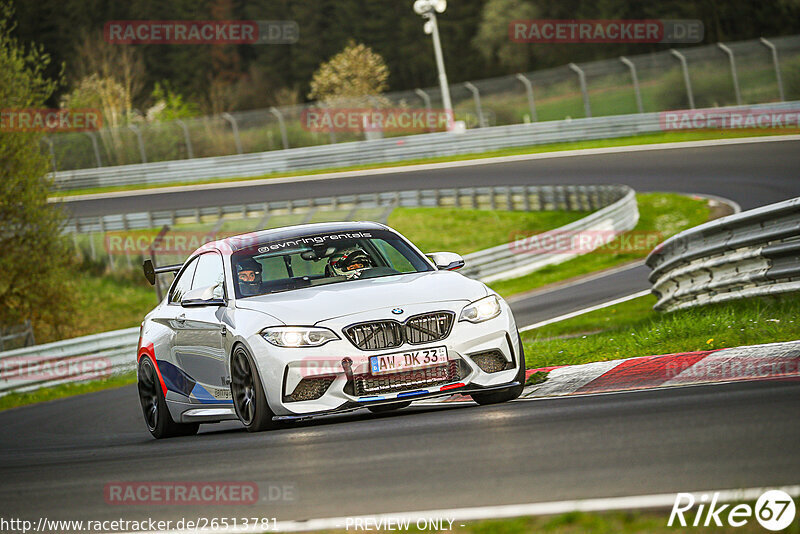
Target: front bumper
{"points": [[352, 406], [282, 369]]}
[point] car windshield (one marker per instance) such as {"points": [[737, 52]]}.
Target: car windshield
{"points": [[320, 259]]}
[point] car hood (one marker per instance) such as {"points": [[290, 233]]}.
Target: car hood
{"points": [[311, 305]]}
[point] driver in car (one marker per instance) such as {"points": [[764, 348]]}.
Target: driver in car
{"points": [[249, 273], [350, 263]]}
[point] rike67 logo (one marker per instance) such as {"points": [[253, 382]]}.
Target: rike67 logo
{"points": [[774, 510]]}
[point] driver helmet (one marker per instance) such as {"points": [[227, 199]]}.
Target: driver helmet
{"points": [[248, 272], [350, 262]]}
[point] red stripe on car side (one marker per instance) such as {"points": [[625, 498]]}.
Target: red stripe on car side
{"points": [[149, 350]]}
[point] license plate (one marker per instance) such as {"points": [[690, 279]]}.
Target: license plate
{"points": [[403, 361]]}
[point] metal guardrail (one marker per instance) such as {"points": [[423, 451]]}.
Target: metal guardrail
{"points": [[114, 352], [753, 253], [70, 360], [17, 336], [513, 259], [394, 149], [519, 198]]}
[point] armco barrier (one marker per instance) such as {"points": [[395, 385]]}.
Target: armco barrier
{"points": [[69, 360], [393, 149], [506, 261], [756, 252]]}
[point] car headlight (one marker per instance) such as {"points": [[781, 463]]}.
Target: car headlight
{"points": [[481, 310], [298, 336]]}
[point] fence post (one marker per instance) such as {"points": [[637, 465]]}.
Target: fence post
{"points": [[135, 129], [529, 91], [235, 127], [52, 151], [777, 65], [732, 61], [96, 149], [686, 80], [635, 79], [476, 95], [284, 137], [186, 139], [332, 131], [426, 99], [582, 79]]}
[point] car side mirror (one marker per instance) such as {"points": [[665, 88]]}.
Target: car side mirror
{"points": [[446, 261], [203, 296]]}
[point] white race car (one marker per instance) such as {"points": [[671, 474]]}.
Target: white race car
{"points": [[315, 319]]}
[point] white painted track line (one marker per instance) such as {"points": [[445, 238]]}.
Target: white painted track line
{"points": [[586, 310]]}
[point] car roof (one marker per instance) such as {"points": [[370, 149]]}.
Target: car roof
{"points": [[241, 241]]}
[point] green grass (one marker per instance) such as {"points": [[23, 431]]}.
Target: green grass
{"points": [[102, 302], [665, 137], [633, 329], [663, 213], [13, 400], [467, 230]]}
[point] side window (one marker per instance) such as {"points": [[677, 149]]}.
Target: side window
{"points": [[209, 273], [183, 283]]}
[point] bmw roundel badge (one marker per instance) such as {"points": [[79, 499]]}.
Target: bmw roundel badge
{"points": [[397, 311]]}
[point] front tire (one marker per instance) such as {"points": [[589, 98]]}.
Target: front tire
{"points": [[508, 394], [154, 407], [247, 390]]}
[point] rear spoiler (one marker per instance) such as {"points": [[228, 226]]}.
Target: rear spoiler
{"points": [[150, 270]]}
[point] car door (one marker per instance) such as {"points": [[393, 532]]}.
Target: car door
{"points": [[199, 344]]}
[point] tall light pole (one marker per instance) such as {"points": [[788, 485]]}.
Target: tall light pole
{"points": [[428, 10]]}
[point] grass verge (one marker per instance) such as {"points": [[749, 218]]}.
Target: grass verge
{"points": [[661, 215], [13, 400], [467, 230], [646, 139], [633, 329]]}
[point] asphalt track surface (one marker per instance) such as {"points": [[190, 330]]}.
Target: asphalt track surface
{"points": [[752, 174], [57, 457]]}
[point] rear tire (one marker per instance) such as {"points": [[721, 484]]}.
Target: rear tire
{"points": [[508, 394], [154, 407], [383, 408], [249, 399]]}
